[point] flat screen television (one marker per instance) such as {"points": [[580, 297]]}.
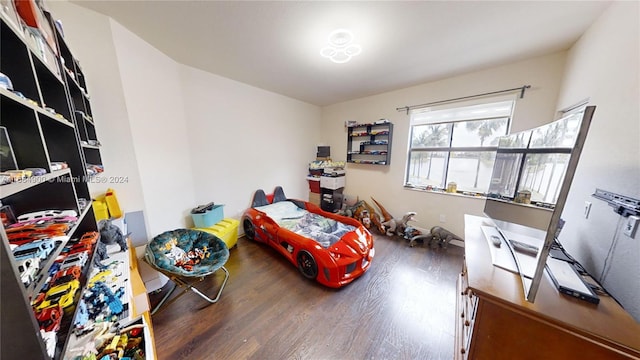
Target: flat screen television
{"points": [[531, 178]]}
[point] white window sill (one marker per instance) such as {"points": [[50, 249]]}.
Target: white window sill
{"points": [[466, 194]]}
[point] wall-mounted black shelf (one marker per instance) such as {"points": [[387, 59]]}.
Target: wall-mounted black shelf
{"points": [[370, 143]]}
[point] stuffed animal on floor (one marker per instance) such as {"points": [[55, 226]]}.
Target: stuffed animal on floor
{"points": [[392, 226], [398, 226], [438, 236], [362, 212]]}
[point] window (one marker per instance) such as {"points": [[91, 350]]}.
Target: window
{"points": [[456, 145]]}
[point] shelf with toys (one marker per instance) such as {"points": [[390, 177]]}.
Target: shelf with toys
{"points": [[369, 143], [111, 301], [49, 238], [46, 251]]}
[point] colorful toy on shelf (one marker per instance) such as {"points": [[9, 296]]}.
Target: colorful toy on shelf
{"points": [[81, 323], [62, 295], [50, 318], [44, 214], [38, 249], [102, 303], [66, 275], [78, 259], [28, 269], [111, 234], [5, 82], [50, 339]]}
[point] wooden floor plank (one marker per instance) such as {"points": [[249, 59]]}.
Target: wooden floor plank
{"points": [[402, 308]]}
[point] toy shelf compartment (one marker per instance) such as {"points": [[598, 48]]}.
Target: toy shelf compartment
{"points": [[369, 143], [119, 276], [29, 195], [41, 115]]}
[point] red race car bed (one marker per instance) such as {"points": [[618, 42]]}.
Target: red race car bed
{"points": [[329, 248]]}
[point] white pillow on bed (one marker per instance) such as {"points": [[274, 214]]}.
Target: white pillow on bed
{"points": [[282, 210]]}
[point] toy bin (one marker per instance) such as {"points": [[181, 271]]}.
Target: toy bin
{"points": [[314, 184], [226, 230], [100, 209], [112, 203], [208, 218]]}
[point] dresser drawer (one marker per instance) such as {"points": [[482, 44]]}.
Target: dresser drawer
{"points": [[466, 306]]}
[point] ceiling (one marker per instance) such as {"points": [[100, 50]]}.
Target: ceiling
{"points": [[275, 45]]}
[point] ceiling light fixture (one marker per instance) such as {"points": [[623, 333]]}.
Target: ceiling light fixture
{"points": [[340, 48]]}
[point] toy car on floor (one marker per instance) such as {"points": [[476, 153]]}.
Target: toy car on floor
{"points": [[329, 248]]}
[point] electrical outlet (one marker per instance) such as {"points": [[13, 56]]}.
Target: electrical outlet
{"points": [[443, 218], [587, 209], [631, 225]]}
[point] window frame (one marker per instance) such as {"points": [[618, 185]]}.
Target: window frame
{"points": [[411, 150]]}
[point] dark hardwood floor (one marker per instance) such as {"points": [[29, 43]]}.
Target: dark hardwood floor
{"points": [[402, 308]]}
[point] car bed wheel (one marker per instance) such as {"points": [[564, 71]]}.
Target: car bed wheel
{"points": [[307, 265], [249, 229]]}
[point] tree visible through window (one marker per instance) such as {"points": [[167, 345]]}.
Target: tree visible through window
{"points": [[456, 145]]}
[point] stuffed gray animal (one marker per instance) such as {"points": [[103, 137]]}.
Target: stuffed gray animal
{"points": [[110, 234]]}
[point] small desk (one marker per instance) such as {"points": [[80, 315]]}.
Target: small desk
{"points": [[494, 321]]}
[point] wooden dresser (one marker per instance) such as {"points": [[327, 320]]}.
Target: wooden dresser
{"points": [[494, 321]]}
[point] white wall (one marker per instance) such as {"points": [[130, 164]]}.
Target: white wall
{"points": [[603, 66], [153, 94], [385, 183], [95, 50], [242, 138], [185, 137]]}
